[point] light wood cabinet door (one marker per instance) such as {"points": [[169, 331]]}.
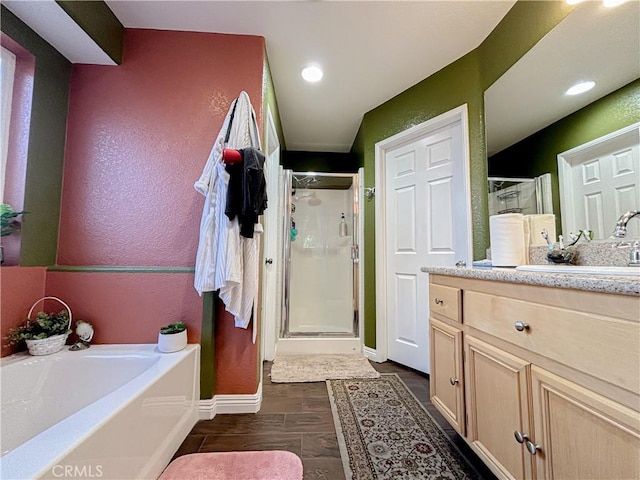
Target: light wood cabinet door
{"points": [[445, 380], [497, 389], [581, 434]]}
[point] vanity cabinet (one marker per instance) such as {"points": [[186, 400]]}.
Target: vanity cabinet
{"points": [[547, 379], [446, 379], [445, 347], [497, 401], [582, 434]]}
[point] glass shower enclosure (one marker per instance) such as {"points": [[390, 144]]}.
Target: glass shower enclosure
{"points": [[320, 268]]}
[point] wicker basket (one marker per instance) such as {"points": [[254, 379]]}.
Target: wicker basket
{"points": [[49, 345]]}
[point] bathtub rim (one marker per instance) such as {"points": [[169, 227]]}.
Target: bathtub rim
{"points": [[21, 461]]}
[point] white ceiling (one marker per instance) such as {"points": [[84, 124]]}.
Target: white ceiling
{"points": [[374, 50], [370, 50]]}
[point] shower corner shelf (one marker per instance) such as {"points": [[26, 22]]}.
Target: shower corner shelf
{"points": [[510, 210], [508, 195]]}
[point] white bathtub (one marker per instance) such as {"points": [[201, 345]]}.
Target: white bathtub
{"points": [[110, 412]]}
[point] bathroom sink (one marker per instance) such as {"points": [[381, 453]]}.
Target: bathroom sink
{"points": [[582, 269]]}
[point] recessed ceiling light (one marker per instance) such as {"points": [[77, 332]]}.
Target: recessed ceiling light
{"points": [[312, 73], [613, 3], [580, 87]]}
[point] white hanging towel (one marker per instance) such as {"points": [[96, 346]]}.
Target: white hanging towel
{"points": [[225, 261]]}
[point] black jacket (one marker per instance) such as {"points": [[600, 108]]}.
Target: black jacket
{"points": [[247, 193]]}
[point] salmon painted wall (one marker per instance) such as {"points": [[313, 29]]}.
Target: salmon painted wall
{"points": [[138, 136], [20, 287], [129, 307]]}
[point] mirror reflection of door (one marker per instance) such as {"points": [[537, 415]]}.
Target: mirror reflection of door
{"points": [[600, 181]]}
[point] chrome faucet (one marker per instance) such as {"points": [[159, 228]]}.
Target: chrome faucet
{"points": [[621, 225], [634, 256]]}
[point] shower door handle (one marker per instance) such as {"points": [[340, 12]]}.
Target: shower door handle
{"points": [[355, 253]]}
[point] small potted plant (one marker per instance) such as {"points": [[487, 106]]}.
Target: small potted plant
{"points": [[172, 337], [44, 334], [9, 223]]}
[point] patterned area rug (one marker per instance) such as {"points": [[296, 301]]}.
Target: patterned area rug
{"points": [[384, 432], [318, 368]]}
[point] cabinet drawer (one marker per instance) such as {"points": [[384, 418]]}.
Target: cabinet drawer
{"points": [[445, 301], [604, 347]]}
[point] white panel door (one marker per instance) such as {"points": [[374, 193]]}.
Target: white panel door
{"points": [[271, 288], [426, 224], [603, 182]]}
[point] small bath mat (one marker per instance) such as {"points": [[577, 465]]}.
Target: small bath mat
{"points": [[318, 368], [258, 465]]}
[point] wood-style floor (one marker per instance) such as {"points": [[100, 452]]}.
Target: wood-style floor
{"points": [[297, 417]]}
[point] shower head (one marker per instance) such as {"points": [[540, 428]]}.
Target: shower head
{"points": [[305, 181]]}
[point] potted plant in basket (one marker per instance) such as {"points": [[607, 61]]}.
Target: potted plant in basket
{"points": [[172, 337], [44, 334]]}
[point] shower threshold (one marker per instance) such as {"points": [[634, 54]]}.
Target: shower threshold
{"points": [[318, 346]]}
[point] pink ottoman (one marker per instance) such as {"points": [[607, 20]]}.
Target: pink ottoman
{"points": [[263, 465]]}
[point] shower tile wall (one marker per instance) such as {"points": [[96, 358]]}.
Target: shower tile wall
{"points": [[321, 266]]}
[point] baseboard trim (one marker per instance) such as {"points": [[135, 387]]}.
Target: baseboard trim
{"points": [[245, 403], [371, 354]]}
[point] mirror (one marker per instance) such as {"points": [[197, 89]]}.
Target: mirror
{"points": [[592, 42], [528, 196]]}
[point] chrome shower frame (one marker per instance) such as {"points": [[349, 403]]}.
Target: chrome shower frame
{"points": [[286, 271]]}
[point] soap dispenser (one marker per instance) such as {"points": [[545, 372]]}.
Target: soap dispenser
{"points": [[343, 227]]}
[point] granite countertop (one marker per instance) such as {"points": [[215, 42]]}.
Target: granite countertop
{"points": [[593, 283]]}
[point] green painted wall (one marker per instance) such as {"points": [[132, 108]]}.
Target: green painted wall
{"points": [[463, 81], [45, 160], [537, 154], [99, 22], [269, 98]]}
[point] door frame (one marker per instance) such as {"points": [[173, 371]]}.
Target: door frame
{"points": [[381, 148], [565, 182], [269, 289]]}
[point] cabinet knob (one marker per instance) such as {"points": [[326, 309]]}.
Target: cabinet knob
{"points": [[453, 381], [438, 301], [269, 261], [521, 437], [521, 327], [532, 447]]}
